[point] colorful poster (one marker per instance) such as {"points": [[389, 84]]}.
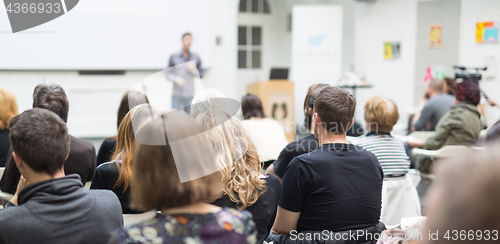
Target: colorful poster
{"points": [[392, 50], [435, 35], [487, 32]]}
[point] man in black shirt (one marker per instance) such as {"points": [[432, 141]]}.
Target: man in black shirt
{"points": [[296, 148], [336, 188]]}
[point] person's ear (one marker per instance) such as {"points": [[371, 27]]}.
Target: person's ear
{"points": [[19, 162], [316, 119], [352, 124]]}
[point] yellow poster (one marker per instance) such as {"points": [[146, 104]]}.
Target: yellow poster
{"points": [[435, 36], [387, 51]]}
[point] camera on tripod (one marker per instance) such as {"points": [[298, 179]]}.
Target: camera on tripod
{"points": [[465, 74]]}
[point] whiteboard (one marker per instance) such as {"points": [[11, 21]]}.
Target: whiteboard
{"points": [[109, 35]]}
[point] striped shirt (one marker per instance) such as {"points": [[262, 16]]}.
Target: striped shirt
{"points": [[390, 153]]}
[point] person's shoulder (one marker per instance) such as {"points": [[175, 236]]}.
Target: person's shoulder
{"points": [[105, 198], [12, 214], [108, 168], [109, 141], [81, 145], [235, 216], [273, 181]]}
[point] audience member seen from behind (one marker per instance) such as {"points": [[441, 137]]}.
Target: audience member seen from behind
{"points": [[338, 187], [8, 109], [267, 135], [448, 85], [305, 145], [185, 217], [466, 197], [461, 125], [437, 102], [117, 174], [52, 207], [82, 157], [399, 195], [243, 186], [129, 100]]}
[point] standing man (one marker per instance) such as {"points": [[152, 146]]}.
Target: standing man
{"points": [[183, 67]]}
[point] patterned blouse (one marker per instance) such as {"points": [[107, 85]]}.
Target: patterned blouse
{"points": [[226, 226]]}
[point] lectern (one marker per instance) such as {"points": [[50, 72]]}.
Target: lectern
{"points": [[277, 100]]}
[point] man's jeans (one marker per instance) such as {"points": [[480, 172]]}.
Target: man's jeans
{"points": [[182, 102]]}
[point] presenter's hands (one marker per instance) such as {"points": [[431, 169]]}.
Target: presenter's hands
{"points": [[20, 186], [191, 67], [180, 81]]}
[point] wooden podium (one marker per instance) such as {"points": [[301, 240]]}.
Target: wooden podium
{"points": [[277, 100]]}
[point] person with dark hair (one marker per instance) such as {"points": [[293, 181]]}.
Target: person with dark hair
{"points": [[183, 67], [437, 102], [157, 185], [129, 100], [49, 206], [267, 135], [81, 159], [448, 85], [338, 187], [305, 145], [461, 125]]}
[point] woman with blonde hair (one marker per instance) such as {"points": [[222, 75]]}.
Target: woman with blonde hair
{"points": [[117, 174], [243, 186], [158, 185], [8, 109], [399, 195]]}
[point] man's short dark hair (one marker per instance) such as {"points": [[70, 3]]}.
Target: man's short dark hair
{"points": [[41, 140], [335, 107], [53, 98], [186, 34]]}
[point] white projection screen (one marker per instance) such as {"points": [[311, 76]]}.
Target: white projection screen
{"points": [[108, 35]]}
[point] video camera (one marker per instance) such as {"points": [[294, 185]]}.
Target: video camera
{"points": [[465, 75]]}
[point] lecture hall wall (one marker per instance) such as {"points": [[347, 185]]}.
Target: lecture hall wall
{"points": [[368, 26]]}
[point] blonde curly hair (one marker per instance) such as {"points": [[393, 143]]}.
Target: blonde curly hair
{"points": [[237, 158]]}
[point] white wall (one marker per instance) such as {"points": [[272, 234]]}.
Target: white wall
{"points": [[276, 43], [94, 99], [472, 53], [386, 20]]}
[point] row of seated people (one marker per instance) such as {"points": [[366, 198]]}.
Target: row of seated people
{"points": [[349, 197]]}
